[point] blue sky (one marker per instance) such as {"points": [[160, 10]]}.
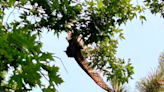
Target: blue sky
{"points": [[143, 44]]}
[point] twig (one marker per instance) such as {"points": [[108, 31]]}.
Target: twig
{"points": [[47, 79], [10, 14], [25, 8], [62, 63], [44, 76]]}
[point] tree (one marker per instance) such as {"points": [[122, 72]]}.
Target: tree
{"points": [[155, 6], [96, 21], [154, 81]]}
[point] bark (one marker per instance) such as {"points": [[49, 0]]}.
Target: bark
{"points": [[74, 50]]}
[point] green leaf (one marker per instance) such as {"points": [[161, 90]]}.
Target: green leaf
{"points": [[53, 75], [11, 2], [46, 56], [143, 17], [49, 90], [99, 4]]}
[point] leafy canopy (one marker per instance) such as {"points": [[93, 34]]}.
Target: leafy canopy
{"points": [[97, 21]]}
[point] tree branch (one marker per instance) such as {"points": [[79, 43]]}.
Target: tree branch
{"points": [[74, 50], [62, 63]]}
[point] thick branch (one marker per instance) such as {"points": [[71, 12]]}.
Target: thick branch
{"points": [[74, 50]]}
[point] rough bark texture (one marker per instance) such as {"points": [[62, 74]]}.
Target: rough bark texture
{"points": [[74, 50]]}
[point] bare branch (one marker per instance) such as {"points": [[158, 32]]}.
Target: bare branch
{"points": [[44, 75], [62, 63], [10, 14]]}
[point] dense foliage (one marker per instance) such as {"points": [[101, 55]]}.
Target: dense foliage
{"points": [[155, 6], [97, 21]]}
